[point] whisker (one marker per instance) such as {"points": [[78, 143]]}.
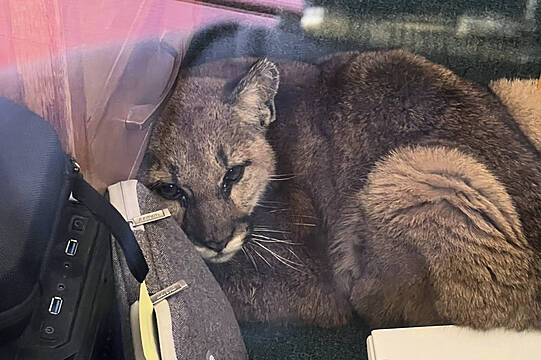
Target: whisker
{"points": [[293, 253], [273, 211], [266, 206], [278, 242], [262, 258], [281, 259], [281, 179], [272, 202], [306, 216], [250, 258], [303, 224], [277, 256], [281, 175], [271, 230], [266, 237]]}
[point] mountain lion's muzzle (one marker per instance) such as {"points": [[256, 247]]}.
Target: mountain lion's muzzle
{"points": [[216, 234]]}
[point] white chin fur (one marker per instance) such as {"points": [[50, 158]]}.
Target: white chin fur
{"points": [[226, 254]]}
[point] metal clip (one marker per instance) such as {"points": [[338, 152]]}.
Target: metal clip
{"points": [[151, 217], [168, 291]]}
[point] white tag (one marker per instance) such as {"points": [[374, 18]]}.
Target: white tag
{"points": [[165, 330], [123, 196], [151, 217]]}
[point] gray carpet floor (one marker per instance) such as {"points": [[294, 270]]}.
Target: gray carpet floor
{"points": [[269, 342]]}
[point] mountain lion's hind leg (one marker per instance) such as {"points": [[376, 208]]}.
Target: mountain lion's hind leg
{"points": [[439, 215]]}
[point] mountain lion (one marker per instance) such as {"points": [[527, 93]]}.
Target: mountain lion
{"points": [[377, 184]]}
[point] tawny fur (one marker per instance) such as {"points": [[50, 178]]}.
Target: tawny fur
{"points": [[523, 99], [446, 207], [378, 183]]}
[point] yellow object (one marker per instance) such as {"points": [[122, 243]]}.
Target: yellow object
{"points": [[147, 325]]}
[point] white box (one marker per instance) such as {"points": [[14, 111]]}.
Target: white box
{"points": [[453, 343]]}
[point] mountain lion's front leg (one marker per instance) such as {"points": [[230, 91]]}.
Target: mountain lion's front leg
{"points": [[437, 239], [275, 293]]}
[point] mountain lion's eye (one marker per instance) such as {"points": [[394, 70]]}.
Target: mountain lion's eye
{"points": [[234, 174], [171, 192], [231, 177]]}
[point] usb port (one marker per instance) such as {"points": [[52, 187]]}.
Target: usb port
{"points": [[71, 247], [56, 305]]}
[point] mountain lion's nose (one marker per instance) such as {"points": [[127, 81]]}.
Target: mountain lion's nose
{"points": [[217, 245]]}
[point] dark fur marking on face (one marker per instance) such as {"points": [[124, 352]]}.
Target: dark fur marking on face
{"points": [[222, 157], [173, 170]]}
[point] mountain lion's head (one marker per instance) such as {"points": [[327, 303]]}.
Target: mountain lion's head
{"points": [[208, 157]]}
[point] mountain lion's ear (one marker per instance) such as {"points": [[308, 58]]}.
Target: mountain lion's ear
{"points": [[254, 94]]}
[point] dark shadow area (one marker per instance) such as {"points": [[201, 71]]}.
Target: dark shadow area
{"points": [[478, 40], [265, 341]]}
